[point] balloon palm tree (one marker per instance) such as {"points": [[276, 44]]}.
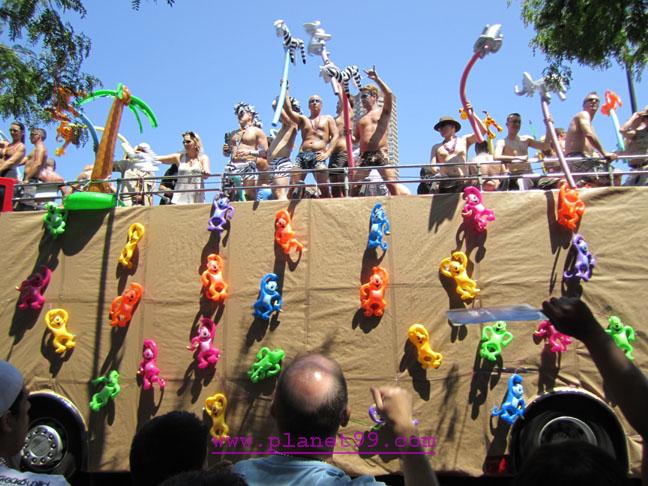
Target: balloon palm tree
{"points": [[104, 158]]}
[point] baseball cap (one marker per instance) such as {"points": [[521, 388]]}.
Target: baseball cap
{"points": [[11, 384]]}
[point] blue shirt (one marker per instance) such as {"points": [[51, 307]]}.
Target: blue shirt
{"points": [[291, 471]]}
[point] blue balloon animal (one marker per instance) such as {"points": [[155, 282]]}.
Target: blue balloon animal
{"points": [[514, 406], [379, 228], [269, 300]]}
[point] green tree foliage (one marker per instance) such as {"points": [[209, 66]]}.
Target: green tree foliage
{"points": [[45, 53], [591, 32]]}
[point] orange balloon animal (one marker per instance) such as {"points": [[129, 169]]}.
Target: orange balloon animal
{"points": [[122, 308], [612, 102], [212, 279], [372, 294], [570, 207], [284, 234]]}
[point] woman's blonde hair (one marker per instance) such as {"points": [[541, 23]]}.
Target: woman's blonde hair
{"points": [[196, 139]]}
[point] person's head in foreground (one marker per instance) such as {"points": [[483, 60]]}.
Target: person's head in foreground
{"points": [[14, 410], [168, 445]]}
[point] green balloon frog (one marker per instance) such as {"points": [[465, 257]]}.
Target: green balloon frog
{"points": [[494, 338], [55, 219], [622, 335], [110, 390], [268, 364]]}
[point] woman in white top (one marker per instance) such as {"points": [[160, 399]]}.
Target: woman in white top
{"points": [[191, 161]]}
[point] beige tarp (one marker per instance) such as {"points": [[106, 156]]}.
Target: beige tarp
{"points": [[520, 259]]}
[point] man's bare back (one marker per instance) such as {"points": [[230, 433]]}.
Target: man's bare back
{"points": [[283, 142], [36, 159]]}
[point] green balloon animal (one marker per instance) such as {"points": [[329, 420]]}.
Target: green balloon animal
{"points": [[268, 364], [494, 338], [110, 390], [622, 335]]}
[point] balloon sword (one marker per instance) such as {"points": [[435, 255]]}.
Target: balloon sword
{"points": [[529, 87], [489, 41], [317, 47]]}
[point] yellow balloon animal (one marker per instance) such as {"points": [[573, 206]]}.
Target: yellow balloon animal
{"points": [[420, 338], [56, 320], [456, 267], [215, 407], [135, 233]]}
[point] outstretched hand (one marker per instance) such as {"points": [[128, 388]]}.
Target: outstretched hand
{"points": [[570, 316]]}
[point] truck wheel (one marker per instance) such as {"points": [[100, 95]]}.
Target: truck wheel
{"points": [[568, 417], [56, 441]]}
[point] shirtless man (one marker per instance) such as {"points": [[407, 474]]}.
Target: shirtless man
{"points": [[453, 150], [36, 159], [247, 148], [34, 163], [371, 131], [319, 136], [339, 157], [487, 168], [514, 149], [12, 153], [280, 149], [582, 141]]}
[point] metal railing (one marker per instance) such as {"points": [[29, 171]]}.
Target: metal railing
{"points": [[219, 182]]}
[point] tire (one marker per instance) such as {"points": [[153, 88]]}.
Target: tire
{"points": [[56, 441], [568, 417]]}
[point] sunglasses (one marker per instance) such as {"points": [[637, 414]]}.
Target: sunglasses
{"points": [[191, 134], [515, 122], [186, 142], [14, 130], [592, 100], [315, 101], [364, 96]]}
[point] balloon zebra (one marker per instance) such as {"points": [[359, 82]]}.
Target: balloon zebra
{"points": [[291, 44], [344, 76]]}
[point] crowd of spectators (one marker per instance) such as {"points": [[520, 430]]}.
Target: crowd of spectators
{"points": [[262, 167]]}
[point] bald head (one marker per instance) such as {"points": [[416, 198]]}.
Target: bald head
{"points": [[311, 397]]}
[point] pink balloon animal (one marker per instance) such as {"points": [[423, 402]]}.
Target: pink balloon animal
{"points": [[207, 354], [148, 369], [474, 211], [31, 290], [556, 341]]}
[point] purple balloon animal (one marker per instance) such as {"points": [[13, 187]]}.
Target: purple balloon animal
{"points": [[222, 213], [585, 261]]}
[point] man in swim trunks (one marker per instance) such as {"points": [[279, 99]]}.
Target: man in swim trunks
{"points": [[514, 149], [247, 148], [371, 131], [319, 137], [581, 141], [280, 149], [339, 158]]}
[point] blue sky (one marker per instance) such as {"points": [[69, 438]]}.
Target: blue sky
{"points": [[192, 62]]}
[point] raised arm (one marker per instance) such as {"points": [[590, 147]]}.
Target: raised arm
{"points": [[388, 95], [629, 128], [292, 116], [395, 406], [627, 385]]}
